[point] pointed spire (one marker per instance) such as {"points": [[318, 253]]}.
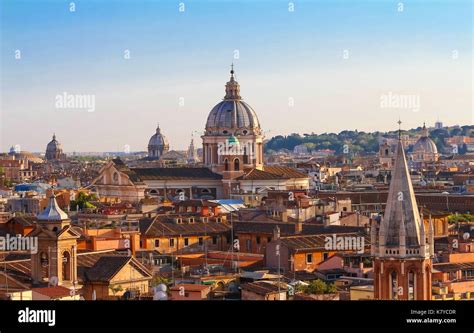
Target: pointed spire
{"points": [[54, 136], [402, 210], [52, 212], [158, 130]]}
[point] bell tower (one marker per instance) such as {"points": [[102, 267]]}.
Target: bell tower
{"points": [[401, 247], [55, 262]]}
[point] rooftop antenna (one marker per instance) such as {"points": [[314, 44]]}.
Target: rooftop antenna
{"points": [[399, 128]]}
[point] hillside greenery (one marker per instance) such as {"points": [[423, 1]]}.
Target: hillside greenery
{"points": [[359, 142]]}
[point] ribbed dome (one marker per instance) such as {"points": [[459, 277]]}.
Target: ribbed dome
{"points": [[158, 139], [425, 145], [232, 115], [53, 145], [54, 150]]}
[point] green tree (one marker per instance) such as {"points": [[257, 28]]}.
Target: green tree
{"points": [[83, 200], [115, 289], [157, 280], [317, 287]]}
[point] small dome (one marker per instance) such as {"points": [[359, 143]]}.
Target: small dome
{"points": [[53, 145], [54, 150], [158, 139], [425, 144], [233, 140]]}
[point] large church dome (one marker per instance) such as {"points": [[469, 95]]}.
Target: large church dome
{"points": [[424, 144], [54, 149], [232, 116], [158, 139]]}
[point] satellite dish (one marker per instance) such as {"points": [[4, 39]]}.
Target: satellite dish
{"points": [[53, 281], [161, 287], [159, 292]]}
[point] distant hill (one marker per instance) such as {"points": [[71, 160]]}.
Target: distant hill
{"points": [[360, 142]]}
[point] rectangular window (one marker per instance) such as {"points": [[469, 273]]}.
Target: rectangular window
{"points": [[258, 240], [214, 240], [157, 243], [309, 258], [171, 242], [325, 255], [201, 241], [269, 239], [186, 241]]}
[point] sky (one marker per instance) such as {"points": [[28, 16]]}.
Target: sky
{"points": [[304, 66]]}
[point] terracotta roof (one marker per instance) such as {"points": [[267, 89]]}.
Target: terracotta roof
{"points": [[108, 266], [272, 172], [175, 173], [120, 166], [316, 242], [53, 292], [285, 171], [287, 228], [450, 267], [196, 203], [165, 225], [23, 220], [189, 287], [262, 288], [255, 174]]}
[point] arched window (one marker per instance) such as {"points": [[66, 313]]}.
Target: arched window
{"points": [[115, 177], [66, 266], [226, 164], [236, 164], [246, 157], [44, 260], [411, 285], [393, 285]]}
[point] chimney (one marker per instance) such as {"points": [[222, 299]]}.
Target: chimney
{"points": [[298, 227]]}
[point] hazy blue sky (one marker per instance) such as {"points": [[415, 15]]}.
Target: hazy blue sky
{"points": [[424, 50]]}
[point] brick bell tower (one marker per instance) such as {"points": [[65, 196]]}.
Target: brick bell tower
{"points": [[55, 262], [401, 247]]}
